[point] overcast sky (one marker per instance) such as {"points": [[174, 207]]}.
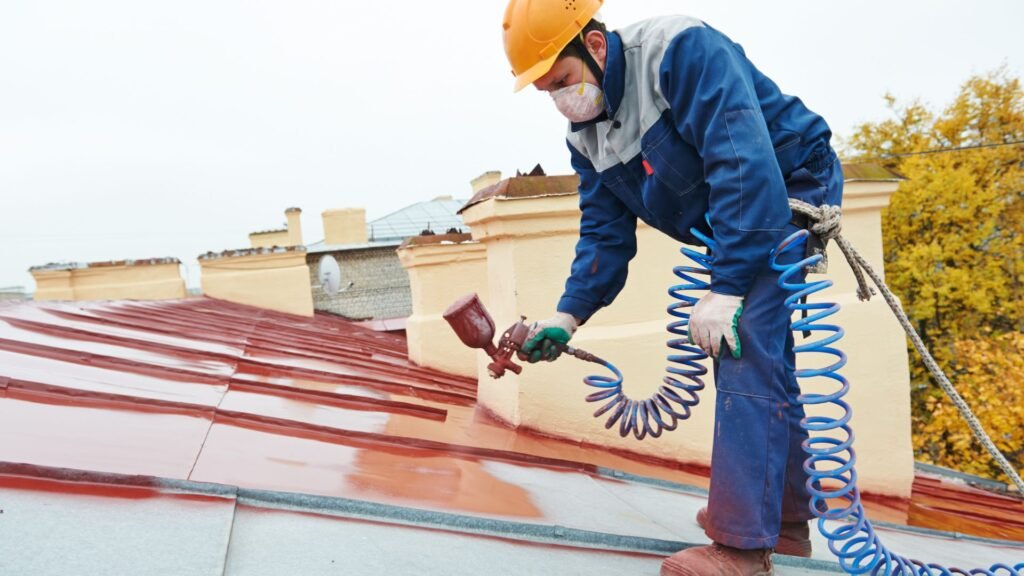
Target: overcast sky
{"points": [[138, 129]]}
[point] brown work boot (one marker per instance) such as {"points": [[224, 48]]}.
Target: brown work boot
{"points": [[718, 560], [794, 537]]}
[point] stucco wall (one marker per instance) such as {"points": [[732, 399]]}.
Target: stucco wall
{"points": [[53, 285], [439, 274], [276, 280], [106, 281], [155, 282]]}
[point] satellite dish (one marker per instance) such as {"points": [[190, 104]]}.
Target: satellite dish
{"points": [[330, 275]]}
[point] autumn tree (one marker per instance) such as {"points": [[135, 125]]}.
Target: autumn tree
{"points": [[954, 254]]}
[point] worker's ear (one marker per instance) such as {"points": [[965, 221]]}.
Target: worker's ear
{"points": [[597, 45]]}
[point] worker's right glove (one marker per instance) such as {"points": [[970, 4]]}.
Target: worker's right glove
{"points": [[542, 343], [714, 324]]}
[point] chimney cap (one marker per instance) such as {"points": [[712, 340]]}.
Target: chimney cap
{"points": [[344, 210], [60, 266], [293, 209], [525, 186], [250, 252]]}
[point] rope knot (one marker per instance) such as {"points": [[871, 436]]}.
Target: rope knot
{"points": [[827, 225], [828, 221]]}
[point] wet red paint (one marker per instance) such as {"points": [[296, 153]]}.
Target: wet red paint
{"points": [[947, 505], [331, 465], [54, 342], [91, 434], [80, 378], [207, 390]]}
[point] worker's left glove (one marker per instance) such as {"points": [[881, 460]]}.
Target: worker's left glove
{"points": [[715, 318], [547, 338]]}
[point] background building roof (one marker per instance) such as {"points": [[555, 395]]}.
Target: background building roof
{"points": [[438, 215]]}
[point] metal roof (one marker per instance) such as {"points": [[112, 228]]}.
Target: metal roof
{"points": [[199, 436], [869, 171], [438, 215]]}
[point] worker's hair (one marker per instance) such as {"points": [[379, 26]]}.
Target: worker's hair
{"points": [[573, 48]]}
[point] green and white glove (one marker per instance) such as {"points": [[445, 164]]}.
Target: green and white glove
{"points": [[544, 337], [715, 318]]}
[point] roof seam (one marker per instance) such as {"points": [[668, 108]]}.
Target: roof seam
{"points": [[335, 506]]}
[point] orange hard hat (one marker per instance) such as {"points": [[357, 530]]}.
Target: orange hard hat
{"points": [[536, 31]]}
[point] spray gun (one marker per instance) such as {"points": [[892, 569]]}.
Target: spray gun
{"points": [[647, 417], [475, 327]]}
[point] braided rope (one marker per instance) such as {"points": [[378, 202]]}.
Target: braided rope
{"points": [[827, 225]]}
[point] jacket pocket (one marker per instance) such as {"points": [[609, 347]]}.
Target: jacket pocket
{"points": [[670, 161]]}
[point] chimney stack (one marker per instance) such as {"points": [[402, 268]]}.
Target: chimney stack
{"points": [[484, 180], [294, 216], [345, 226]]}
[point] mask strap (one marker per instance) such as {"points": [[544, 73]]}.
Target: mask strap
{"points": [[588, 60], [583, 77]]}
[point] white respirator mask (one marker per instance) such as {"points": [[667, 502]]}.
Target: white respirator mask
{"points": [[579, 103]]}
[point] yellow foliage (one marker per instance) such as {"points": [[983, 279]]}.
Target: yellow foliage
{"points": [[989, 374], [954, 251]]}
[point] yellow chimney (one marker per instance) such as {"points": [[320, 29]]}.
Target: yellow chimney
{"points": [[294, 216], [345, 226], [149, 279], [272, 278], [441, 269], [484, 180], [152, 279], [290, 235], [53, 282]]}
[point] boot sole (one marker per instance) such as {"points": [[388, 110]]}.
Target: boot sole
{"points": [[669, 568], [785, 546]]}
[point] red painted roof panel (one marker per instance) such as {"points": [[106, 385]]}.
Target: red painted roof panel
{"points": [[201, 389], [87, 433]]}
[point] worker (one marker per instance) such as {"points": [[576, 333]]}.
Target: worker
{"points": [[670, 122]]}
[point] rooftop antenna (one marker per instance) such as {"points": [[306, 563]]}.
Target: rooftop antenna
{"points": [[329, 274]]}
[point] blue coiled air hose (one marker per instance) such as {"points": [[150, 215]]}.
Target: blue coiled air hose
{"points": [[830, 460], [679, 393]]}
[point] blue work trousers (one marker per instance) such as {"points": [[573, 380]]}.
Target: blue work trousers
{"points": [[757, 477]]}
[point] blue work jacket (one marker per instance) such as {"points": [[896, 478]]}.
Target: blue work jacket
{"points": [[692, 127]]}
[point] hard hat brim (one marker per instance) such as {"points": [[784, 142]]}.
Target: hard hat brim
{"points": [[534, 72]]}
